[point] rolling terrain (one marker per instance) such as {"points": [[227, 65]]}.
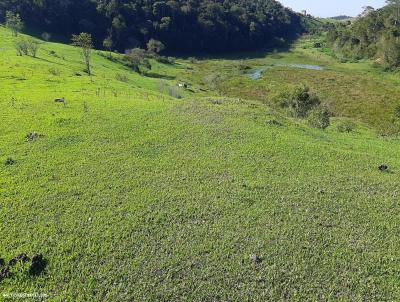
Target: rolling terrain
{"points": [[136, 190]]}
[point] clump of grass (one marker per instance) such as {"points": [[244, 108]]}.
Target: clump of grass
{"points": [[319, 117], [174, 92], [165, 60], [210, 80], [274, 123], [121, 77], [31, 136], [54, 71], [346, 126], [53, 53], [21, 46], [85, 107], [192, 60], [9, 161], [26, 46]]}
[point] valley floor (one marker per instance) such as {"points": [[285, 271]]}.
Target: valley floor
{"points": [[133, 194]]}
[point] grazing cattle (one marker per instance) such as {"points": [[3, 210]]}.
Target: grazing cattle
{"points": [[383, 168], [62, 100]]}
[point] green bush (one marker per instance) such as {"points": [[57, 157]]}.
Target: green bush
{"points": [[26, 47], [319, 118], [54, 71], [121, 77], [137, 58], [33, 47], [165, 60], [171, 60], [346, 127], [9, 161], [22, 47], [300, 102]]}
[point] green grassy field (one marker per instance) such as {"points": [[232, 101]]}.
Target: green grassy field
{"points": [[133, 195]]}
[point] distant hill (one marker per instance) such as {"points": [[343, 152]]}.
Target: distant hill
{"points": [[183, 26], [341, 18]]}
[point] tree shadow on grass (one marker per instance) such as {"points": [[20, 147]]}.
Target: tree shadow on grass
{"points": [[270, 48], [159, 76]]}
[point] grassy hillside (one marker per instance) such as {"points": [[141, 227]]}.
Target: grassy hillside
{"points": [[132, 195]]}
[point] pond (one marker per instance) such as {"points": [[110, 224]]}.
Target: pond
{"points": [[256, 74], [305, 66]]}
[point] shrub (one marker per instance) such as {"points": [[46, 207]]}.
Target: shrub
{"points": [[9, 161], [171, 60], [155, 46], [319, 118], [46, 36], [389, 130], [172, 91], [85, 107], [121, 77], [54, 71], [346, 127], [162, 59], [301, 101], [242, 67], [21, 46], [26, 47], [137, 57], [33, 47], [211, 80], [165, 60]]}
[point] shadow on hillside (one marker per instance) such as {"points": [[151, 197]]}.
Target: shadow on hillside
{"points": [[159, 76], [276, 46], [272, 47]]}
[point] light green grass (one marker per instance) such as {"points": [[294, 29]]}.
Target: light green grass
{"points": [[143, 197]]}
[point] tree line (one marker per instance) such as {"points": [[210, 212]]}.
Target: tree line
{"points": [[375, 34], [181, 25]]}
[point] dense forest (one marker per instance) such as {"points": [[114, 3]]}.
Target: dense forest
{"points": [[182, 25], [375, 34]]}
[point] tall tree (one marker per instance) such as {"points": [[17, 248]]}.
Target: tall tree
{"points": [[14, 23], [395, 5], [108, 44], [84, 42]]}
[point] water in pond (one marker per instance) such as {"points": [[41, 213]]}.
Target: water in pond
{"points": [[256, 74], [305, 66]]}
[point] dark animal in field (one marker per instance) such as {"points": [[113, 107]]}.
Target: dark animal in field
{"points": [[383, 168], [13, 262], [2, 262], [23, 257], [62, 100], [37, 265], [256, 259], [20, 258], [5, 273], [317, 45]]}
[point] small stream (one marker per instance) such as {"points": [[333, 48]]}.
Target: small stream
{"points": [[256, 74]]}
